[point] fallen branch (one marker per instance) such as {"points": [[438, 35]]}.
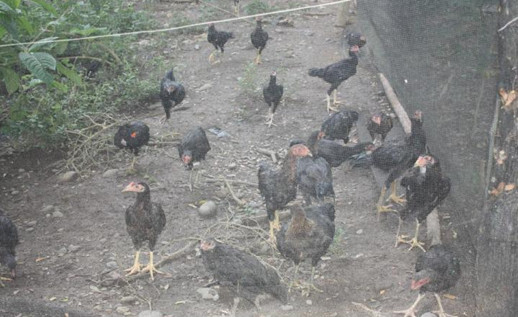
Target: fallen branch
{"points": [[373, 312], [213, 179], [270, 153], [396, 105], [236, 199], [258, 220]]}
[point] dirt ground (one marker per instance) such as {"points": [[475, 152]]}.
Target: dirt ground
{"points": [[73, 235]]}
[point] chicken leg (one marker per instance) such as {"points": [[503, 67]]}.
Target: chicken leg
{"points": [[441, 312], [236, 9], [269, 118], [410, 312], [335, 101], [151, 267], [381, 208], [400, 239], [136, 265], [393, 194], [212, 59], [274, 226], [294, 281], [258, 57], [329, 107], [306, 289], [414, 242]]}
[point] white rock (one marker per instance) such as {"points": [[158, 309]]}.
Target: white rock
{"points": [[286, 307], [122, 309], [208, 209], [197, 46], [428, 315], [32, 223], [68, 177], [47, 209], [57, 214], [208, 293], [309, 302], [150, 313], [128, 299], [74, 248], [360, 231], [205, 87], [111, 173]]}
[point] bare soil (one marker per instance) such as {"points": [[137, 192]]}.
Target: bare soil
{"points": [[68, 260]]}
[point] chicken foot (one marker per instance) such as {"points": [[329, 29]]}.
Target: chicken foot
{"points": [[441, 312], [381, 208], [414, 242], [151, 267], [307, 287], [329, 107], [257, 60], [393, 195], [400, 239], [410, 312], [136, 265], [212, 59], [269, 118]]}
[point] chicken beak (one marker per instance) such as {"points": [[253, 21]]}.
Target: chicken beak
{"points": [[420, 162], [129, 188]]}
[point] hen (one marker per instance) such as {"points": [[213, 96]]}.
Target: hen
{"points": [[218, 39], [426, 188], [307, 235], [339, 125], [272, 96], [279, 186], [245, 272], [379, 124], [172, 93], [335, 154], [8, 242], [314, 179], [356, 38], [259, 38], [435, 271], [396, 158], [132, 136], [336, 73], [145, 221], [193, 148]]}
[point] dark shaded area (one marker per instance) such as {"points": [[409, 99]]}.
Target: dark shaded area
{"points": [[10, 307], [441, 57]]}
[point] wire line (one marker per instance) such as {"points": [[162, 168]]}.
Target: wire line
{"points": [[177, 27]]}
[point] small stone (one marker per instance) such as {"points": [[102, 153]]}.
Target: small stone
{"points": [[21, 170], [94, 288], [150, 313], [205, 87], [30, 229], [208, 293], [208, 209], [32, 223], [47, 209], [122, 309], [62, 251], [111, 265], [428, 314], [74, 248], [68, 177], [286, 307], [15, 192], [128, 299], [232, 166], [197, 47], [57, 214], [111, 173], [309, 302], [359, 231]]}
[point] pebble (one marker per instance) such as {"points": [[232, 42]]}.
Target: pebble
{"points": [[205, 87], [359, 231], [197, 46], [32, 223], [309, 302], [74, 248], [122, 309], [111, 265], [286, 307], [68, 177], [57, 214], [208, 293], [150, 313], [47, 209], [208, 209], [232, 166], [128, 299], [30, 229], [15, 192], [428, 314], [21, 170], [111, 173], [62, 251]]}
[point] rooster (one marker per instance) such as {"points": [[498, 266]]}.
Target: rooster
{"points": [[379, 124], [132, 136], [218, 39], [337, 73], [339, 125], [272, 96], [171, 92], [259, 37]]}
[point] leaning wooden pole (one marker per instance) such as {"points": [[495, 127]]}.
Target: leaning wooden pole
{"points": [[433, 231]]}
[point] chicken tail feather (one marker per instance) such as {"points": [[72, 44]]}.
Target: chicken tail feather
{"points": [[316, 72]]}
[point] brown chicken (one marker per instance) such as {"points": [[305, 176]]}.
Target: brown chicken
{"points": [[307, 235], [279, 186]]}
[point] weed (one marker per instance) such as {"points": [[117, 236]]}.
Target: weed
{"points": [[249, 81]]}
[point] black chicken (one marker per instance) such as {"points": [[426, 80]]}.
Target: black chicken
{"points": [[218, 39], [171, 92], [314, 179], [426, 188], [193, 148], [335, 154], [8, 242], [245, 272], [279, 186], [272, 96], [355, 38], [132, 136], [145, 221], [396, 158], [336, 73], [339, 125], [379, 124], [307, 235], [259, 38], [435, 271]]}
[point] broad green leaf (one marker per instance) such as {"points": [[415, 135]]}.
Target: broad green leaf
{"points": [[69, 73], [59, 86], [46, 6], [11, 79], [24, 23], [41, 43], [38, 63]]}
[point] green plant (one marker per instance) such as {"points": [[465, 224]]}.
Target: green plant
{"points": [[257, 6], [249, 81]]}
